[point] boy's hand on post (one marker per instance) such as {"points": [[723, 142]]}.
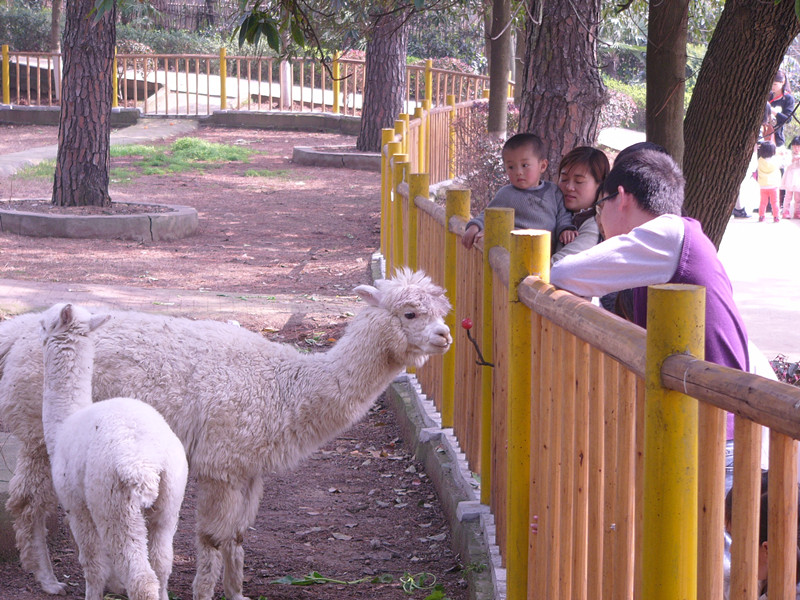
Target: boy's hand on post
{"points": [[468, 239], [567, 236]]}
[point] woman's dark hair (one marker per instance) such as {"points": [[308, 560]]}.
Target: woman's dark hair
{"points": [[780, 77], [766, 150], [795, 141], [594, 159]]}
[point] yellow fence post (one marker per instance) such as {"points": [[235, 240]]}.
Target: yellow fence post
{"points": [[429, 81], [426, 106], [335, 68], [400, 133], [6, 76], [223, 79], [399, 175], [530, 255], [485, 93], [498, 225], [114, 83], [451, 149], [675, 325], [418, 185], [406, 119], [393, 149], [456, 205], [387, 136], [419, 113]]}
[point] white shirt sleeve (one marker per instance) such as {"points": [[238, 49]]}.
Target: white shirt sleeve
{"points": [[647, 255]]}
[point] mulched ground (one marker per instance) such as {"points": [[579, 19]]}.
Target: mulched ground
{"points": [[361, 506]]}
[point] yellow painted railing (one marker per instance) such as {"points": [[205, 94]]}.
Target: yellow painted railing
{"points": [[199, 84], [588, 428]]}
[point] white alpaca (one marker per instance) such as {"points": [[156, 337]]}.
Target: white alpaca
{"points": [[241, 405], [118, 470]]}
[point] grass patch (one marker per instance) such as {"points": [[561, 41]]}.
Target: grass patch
{"points": [[45, 169], [121, 175], [280, 173], [182, 155]]}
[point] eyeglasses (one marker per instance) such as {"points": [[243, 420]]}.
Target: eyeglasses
{"points": [[599, 203]]}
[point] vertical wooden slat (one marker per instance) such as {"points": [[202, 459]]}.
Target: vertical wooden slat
{"points": [[782, 517], [582, 454]]}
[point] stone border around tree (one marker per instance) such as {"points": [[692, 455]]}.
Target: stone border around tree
{"points": [[336, 157], [176, 223]]}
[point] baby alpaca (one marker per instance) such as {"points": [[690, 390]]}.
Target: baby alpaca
{"points": [[118, 469]]}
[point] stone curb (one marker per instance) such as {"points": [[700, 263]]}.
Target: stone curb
{"points": [[180, 222], [336, 157], [471, 523]]}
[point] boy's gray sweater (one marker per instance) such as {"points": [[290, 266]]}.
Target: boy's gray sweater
{"points": [[540, 207]]}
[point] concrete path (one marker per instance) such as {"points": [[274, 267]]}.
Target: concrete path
{"points": [[146, 130]]}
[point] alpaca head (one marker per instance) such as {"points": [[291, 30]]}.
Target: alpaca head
{"points": [[62, 320], [417, 308]]}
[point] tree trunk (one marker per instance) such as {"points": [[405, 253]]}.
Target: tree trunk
{"points": [[498, 68], [81, 177], [54, 43], [666, 69], [562, 89], [385, 79], [727, 106]]}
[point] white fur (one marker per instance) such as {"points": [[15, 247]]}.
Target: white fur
{"points": [[118, 470], [240, 404]]}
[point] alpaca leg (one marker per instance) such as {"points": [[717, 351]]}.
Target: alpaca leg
{"points": [[162, 521], [31, 499], [122, 524], [225, 511], [91, 555]]}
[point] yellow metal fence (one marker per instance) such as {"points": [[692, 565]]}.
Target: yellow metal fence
{"points": [[609, 440], [199, 84]]}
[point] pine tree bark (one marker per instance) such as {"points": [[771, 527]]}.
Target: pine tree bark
{"points": [[562, 89], [385, 78], [84, 132], [727, 107], [666, 74]]}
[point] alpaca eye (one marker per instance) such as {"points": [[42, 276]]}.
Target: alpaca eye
{"points": [[410, 315]]}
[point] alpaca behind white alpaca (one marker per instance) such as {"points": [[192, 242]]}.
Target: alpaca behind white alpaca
{"points": [[242, 406], [118, 469]]}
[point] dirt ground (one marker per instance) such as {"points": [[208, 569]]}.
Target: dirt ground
{"points": [[361, 507]]}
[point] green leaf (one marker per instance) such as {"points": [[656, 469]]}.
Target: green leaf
{"points": [[273, 39], [299, 38]]}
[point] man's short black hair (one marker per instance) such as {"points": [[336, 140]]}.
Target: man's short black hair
{"points": [[654, 179], [520, 140]]}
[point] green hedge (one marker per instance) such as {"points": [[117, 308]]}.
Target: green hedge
{"points": [[25, 29]]}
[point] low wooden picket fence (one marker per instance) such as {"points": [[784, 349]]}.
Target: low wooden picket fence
{"points": [[609, 438], [199, 84]]}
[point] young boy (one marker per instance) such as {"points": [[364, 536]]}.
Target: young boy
{"points": [[537, 204]]}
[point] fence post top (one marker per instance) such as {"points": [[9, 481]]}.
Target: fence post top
{"points": [[528, 232]]}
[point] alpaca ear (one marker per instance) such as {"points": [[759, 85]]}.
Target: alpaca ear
{"points": [[368, 294], [65, 317], [97, 320]]}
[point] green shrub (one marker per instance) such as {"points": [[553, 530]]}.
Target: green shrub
{"points": [[24, 29], [625, 105]]}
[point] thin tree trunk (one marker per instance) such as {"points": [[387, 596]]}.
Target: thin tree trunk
{"points": [[498, 68], [385, 79], [727, 107], [562, 89], [84, 131], [666, 69], [54, 43]]}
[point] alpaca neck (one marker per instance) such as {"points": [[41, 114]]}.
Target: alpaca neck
{"points": [[67, 383]]}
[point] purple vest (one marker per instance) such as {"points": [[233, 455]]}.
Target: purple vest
{"points": [[726, 337]]}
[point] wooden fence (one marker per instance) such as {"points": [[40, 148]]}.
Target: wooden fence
{"points": [[611, 441], [199, 84]]}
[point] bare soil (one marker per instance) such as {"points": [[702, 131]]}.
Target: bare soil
{"points": [[361, 506]]}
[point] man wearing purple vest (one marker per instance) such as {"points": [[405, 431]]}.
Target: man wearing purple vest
{"points": [[647, 243]]}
